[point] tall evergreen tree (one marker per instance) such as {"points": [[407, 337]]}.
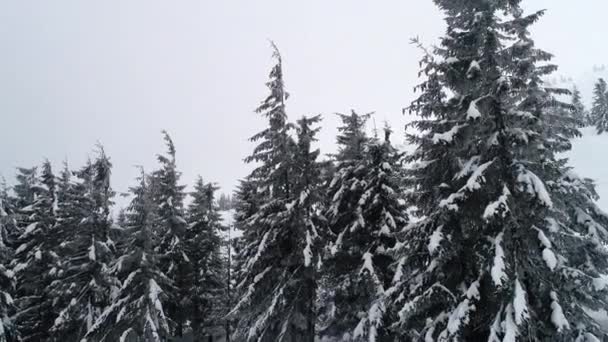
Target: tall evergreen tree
{"points": [[24, 189], [137, 311], [579, 110], [206, 281], [307, 216], [171, 227], [496, 257], [272, 304], [599, 109], [8, 331], [8, 221], [86, 251], [366, 212], [35, 259], [247, 203]]}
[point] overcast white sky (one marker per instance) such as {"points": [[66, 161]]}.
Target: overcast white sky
{"points": [[76, 72]]}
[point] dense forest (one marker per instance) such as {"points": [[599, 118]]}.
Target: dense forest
{"points": [[482, 233]]}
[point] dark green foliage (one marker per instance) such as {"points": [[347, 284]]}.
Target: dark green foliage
{"points": [[168, 197], [579, 111], [35, 262], [599, 109], [206, 284], [8, 331], [493, 258], [367, 209], [277, 252], [84, 283], [136, 313]]}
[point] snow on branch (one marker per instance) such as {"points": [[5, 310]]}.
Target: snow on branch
{"points": [[557, 314], [534, 186], [498, 207], [473, 183], [250, 290], [447, 137], [498, 268]]}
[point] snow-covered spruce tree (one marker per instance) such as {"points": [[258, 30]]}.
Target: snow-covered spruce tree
{"points": [[307, 217], [8, 331], [496, 257], [206, 280], [366, 212], [35, 259], [168, 197], [599, 109], [579, 110], [247, 203], [344, 191], [24, 189], [85, 281], [272, 304], [136, 313], [8, 217]]}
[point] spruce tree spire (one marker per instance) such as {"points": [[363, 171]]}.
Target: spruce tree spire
{"points": [[275, 286], [579, 112], [599, 109], [168, 196], [206, 279], [137, 311], [84, 283], [366, 212], [35, 260]]}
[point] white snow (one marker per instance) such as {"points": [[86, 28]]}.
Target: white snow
{"points": [[473, 112], [520, 304], [260, 250], [544, 240], [368, 263], [588, 159], [92, 255], [553, 225], [308, 250], [473, 183], [498, 268], [534, 185], [557, 314], [548, 254], [125, 334], [227, 217], [501, 203], [461, 314], [245, 298], [435, 240], [509, 326], [549, 258], [467, 168], [600, 283], [338, 244], [30, 228], [474, 67], [154, 293], [496, 329], [21, 248], [447, 137]]}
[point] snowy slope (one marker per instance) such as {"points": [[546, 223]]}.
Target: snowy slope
{"points": [[589, 157], [228, 221]]}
